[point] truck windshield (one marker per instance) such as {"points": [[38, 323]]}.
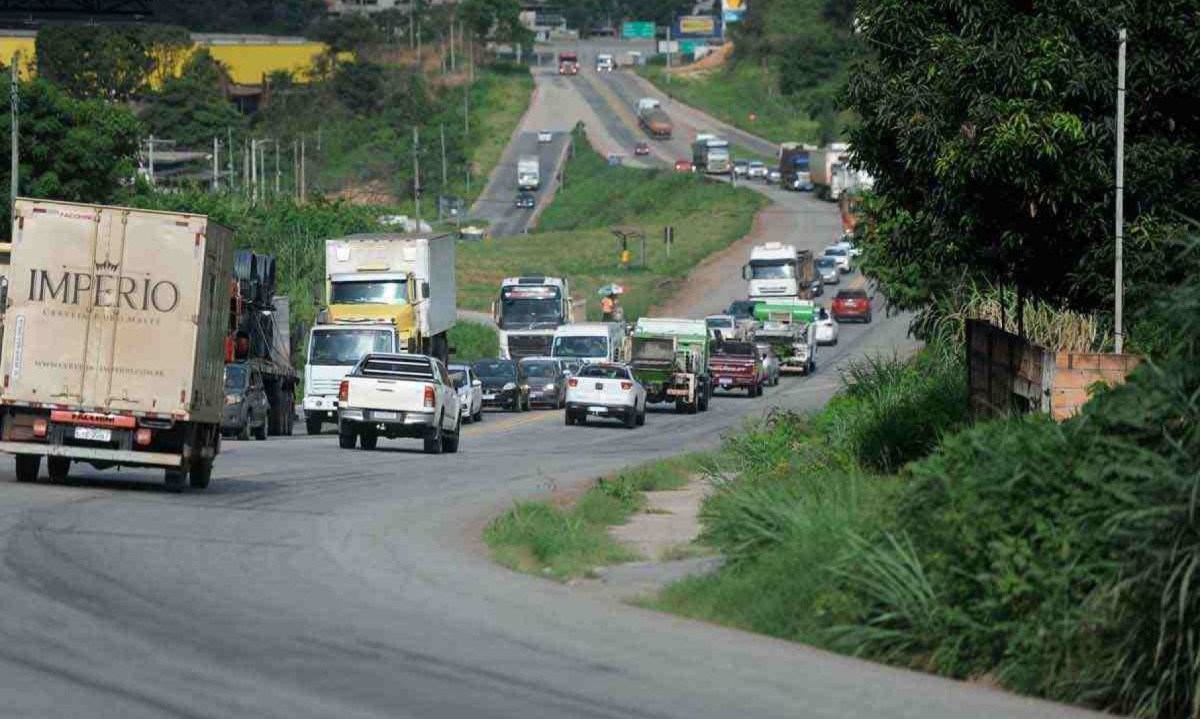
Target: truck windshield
{"points": [[347, 347], [596, 346], [522, 311], [800, 163], [772, 269], [235, 377], [358, 292]]}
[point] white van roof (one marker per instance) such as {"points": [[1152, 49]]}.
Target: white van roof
{"points": [[587, 329]]}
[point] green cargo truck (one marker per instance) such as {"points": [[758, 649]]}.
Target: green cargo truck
{"points": [[787, 325], [670, 358]]}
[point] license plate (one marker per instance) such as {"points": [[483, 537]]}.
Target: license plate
{"points": [[600, 386], [94, 434], [598, 410], [726, 381], [489, 396], [385, 415]]}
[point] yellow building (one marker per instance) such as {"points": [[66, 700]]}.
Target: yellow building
{"points": [[248, 57]]}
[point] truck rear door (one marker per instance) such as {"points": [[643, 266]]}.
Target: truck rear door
{"points": [[107, 307]]}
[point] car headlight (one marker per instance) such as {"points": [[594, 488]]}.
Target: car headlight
{"points": [[549, 388], [510, 386], [232, 399]]}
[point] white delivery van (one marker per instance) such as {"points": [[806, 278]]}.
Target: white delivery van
{"points": [[585, 342]]}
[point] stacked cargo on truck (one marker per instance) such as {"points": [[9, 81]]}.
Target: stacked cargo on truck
{"points": [[654, 119], [384, 293], [115, 334], [787, 325]]}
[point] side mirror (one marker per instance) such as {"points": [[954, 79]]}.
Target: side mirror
{"points": [[747, 272], [495, 313], [476, 383]]}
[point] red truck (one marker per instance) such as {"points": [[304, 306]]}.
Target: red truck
{"points": [[737, 365], [568, 63]]}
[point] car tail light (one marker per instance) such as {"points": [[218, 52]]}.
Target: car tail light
{"points": [[142, 436], [40, 427], [429, 396], [627, 385], [344, 391], [572, 382]]}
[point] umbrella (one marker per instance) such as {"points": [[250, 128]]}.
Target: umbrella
{"points": [[611, 289]]}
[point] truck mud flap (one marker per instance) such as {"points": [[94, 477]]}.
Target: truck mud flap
{"points": [[89, 454]]}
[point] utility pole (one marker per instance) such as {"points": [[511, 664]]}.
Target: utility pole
{"points": [[1119, 279], [246, 184], [303, 169], [417, 175], [296, 168], [443, 128], [453, 65], [254, 172], [466, 111], [229, 144], [668, 52], [216, 185], [14, 89], [151, 159], [277, 175]]}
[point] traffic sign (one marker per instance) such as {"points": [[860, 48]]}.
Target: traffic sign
{"points": [[631, 29]]}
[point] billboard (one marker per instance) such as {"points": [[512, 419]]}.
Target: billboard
{"points": [[732, 10], [696, 26], [633, 29]]}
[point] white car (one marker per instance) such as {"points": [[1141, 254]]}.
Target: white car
{"points": [[827, 328], [399, 395], [545, 136], [757, 171], [849, 247], [604, 63], [774, 177], [470, 391], [840, 255], [607, 390]]}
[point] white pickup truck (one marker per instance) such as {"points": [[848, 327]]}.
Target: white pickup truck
{"points": [[399, 395]]}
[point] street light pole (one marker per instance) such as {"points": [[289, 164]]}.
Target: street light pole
{"points": [[1119, 278]]}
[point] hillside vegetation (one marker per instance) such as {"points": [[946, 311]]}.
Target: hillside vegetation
{"points": [[787, 69]]}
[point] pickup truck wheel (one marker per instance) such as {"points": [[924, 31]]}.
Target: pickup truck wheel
{"points": [[702, 400], [312, 424], [450, 441], [568, 419], [200, 474], [368, 439], [433, 443], [680, 406], [347, 436], [59, 468], [28, 466]]}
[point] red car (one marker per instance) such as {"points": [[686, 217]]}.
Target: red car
{"points": [[641, 149], [851, 305], [684, 166]]}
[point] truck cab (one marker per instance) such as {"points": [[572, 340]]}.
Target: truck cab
{"points": [[777, 270], [527, 313], [333, 351], [529, 173]]}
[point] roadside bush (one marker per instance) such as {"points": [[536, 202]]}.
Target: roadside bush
{"points": [[893, 410]]}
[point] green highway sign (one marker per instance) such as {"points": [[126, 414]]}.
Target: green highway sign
{"points": [[637, 29]]}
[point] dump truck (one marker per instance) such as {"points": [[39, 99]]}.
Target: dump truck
{"points": [[383, 293], [654, 119], [787, 325], [259, 336], [669, 358], [115, 335]]}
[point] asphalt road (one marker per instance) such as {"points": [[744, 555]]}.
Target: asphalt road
{"points": [[495, 203], [316, 582]]}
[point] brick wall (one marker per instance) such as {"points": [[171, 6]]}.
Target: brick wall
{"points": [[1075, 372]]}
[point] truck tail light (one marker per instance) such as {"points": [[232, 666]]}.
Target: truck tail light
{"points": [[344, 391], [40, 427], [572, 382], [428, 396], [626, 385], [142, 436]]}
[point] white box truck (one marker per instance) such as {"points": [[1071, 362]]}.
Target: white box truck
{"points": [[824, 166], [115, 334], [529, 173], [396, 291]]}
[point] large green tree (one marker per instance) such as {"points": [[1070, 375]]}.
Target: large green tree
{"points": [[191, 108], [108, 61], [70, 149], [989, 127]]}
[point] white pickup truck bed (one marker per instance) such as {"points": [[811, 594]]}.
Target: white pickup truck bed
{"points": [[399, 395]]}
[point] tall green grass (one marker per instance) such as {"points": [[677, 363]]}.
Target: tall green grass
{"points": [[473, 341]]}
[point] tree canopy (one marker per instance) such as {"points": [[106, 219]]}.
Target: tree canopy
{"points": [[192, 108], [989, 127], [109, 61]]}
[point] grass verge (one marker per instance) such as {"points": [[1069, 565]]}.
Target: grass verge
{"points": [[568, 541], [575, 240], [473, 341], [499, 99]]}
